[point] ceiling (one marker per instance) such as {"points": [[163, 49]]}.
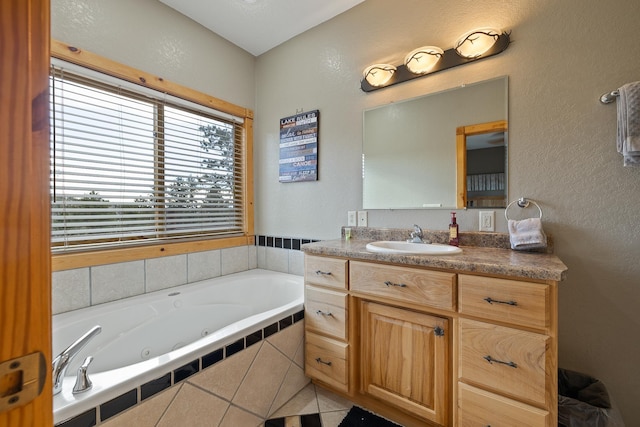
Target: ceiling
{"points": [[260, 25]]}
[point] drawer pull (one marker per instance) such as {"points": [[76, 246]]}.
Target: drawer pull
{"points": [[492, 360], [491, 301], [324, 313], [323, 362], [319, 273], [400, 285]]}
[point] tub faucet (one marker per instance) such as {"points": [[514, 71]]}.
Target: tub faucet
{"points": [[61, 362]]}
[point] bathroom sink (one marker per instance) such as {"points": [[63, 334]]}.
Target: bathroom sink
{"points": [[410, 248]]}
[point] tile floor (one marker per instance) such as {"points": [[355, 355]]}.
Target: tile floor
{"points": [[313, 399]]}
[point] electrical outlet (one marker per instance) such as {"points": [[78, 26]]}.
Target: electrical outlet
{"points": [[351, 219], [487, 220], [362, 218]]}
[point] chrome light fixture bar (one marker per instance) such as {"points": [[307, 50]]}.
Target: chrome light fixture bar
{"points": [[472, 46]]}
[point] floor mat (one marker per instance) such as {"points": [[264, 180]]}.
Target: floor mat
{"points": [[358, 417], [310, 420]]}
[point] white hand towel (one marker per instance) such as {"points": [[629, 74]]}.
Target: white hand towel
{"points": [[628, 140], [527, 234]]}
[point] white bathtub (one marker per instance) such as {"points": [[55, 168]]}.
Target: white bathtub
{"points": [[146, 337]]}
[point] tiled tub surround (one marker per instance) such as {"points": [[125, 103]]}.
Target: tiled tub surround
{"points": [[83, 287], [138, 341], [240, 384], [281, 253]]}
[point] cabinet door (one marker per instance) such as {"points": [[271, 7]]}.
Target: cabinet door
{"points": [[405, 359], [477, 407]]}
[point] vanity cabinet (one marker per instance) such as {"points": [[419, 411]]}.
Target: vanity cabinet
{"points": [[326, 320], [426, 346]]}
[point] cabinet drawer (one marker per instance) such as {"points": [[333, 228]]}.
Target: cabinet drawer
{"points": [[480, 408], [325, 271], [425, 287], [325, 311], [511, 301], [326, 360], [507, 361]]}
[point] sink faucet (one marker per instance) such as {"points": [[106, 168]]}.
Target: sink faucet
{"points": [[61, 362], [416, 235]]}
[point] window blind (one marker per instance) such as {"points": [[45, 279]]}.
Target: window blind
{"points": [[129, 168]]}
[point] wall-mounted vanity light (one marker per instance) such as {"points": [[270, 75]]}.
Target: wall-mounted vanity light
{"points": [[423, 59], [472, 46], [379, 74]]}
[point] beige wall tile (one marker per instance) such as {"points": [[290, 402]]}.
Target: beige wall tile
{"points": [[147, 413], [194, 407], [70, 290], [224, 378], [259, 388], [116, 281], [277, 259], [235, 260], [298, 359], [288, 340], [203, 265], [165, 272], [296, 262]]}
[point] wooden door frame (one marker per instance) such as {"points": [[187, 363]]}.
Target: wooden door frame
{"points": [[25, 261]]}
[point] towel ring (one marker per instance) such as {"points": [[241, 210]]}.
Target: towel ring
{"points": [[523, 203]]}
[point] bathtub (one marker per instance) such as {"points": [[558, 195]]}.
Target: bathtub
{"points": [[170, 333]]}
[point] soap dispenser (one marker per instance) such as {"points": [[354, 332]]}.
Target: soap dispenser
{"points": [[453, 231]]}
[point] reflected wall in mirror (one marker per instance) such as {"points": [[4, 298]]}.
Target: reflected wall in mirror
{"points": [[482, 165], [410, 156]]}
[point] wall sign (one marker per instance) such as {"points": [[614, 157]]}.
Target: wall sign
{"points": [[299, 147]]}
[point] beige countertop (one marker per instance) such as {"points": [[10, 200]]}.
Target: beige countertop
{"points": [[473, 259]]}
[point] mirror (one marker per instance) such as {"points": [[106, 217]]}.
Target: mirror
{"points": [[411, 154]]}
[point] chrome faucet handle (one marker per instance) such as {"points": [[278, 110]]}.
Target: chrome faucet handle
{"points": [[83, 383], [61, 362], [416, 234], [417, 230]]}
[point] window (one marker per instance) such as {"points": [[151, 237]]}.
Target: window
{"points": [[130, 166]]}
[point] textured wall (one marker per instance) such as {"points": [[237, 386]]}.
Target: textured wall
{"points": [[149, 36], [564, 55]]}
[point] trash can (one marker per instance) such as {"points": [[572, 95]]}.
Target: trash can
{"points": [[583, 401]]}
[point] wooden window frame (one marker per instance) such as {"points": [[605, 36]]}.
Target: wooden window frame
{"points": [[66, 261]]}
